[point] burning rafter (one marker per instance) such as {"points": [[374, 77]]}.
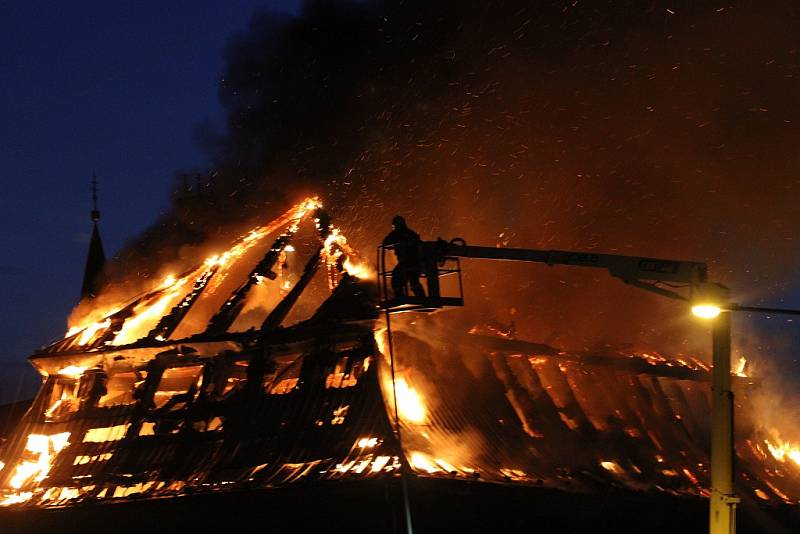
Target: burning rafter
{"points": [[279, 313], [224, 318], [122, 326], [168, 323]]}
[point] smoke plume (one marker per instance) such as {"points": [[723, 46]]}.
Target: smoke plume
{"points": [[644, 128]]}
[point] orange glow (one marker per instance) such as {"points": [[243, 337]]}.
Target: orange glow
{"points": [[97, 319], [446, 465], [382, 341], [690, 476], [409, 403], [72, 371], [612, 467], [46, 448], [359, 270], [741, 368], [777, 492], [17, 498], [783, 451], [108, 433], [365, 443], [140, 324], [335, 248], [379, 463], [422, 462], [517, 475], [89, 332], [447, 431]]}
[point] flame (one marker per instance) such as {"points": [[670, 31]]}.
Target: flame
{"points": [[612, 467], [17, 498], [98, 319], [379, 463], [107, 433], [336, 249], [137, 326], [450, 468], [422, 462], [783, 451], [68, 398], [365, 443], [47, 448], [359, 270], [293, 217], [741, 368], [300, 211], [381, 336], [89, 332], [409, 403], [72, 371]]}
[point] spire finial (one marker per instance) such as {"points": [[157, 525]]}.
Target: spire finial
{"points": [[95, 211]]}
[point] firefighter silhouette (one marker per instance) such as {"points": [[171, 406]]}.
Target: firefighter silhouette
{"points": [[406, 244]]}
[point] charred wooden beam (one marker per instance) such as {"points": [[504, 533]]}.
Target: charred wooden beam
{"points": [[116, 320], [224, 318], [632, 363], [167, 325], [279, 313]]}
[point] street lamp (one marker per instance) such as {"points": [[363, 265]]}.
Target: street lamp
{"points": [[706, 311], [712, 302], [708, 300]]}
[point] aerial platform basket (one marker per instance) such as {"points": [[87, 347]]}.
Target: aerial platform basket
{"points": [[442, 282]]}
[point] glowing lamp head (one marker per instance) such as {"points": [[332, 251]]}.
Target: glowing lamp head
{"points": [[706, 311], [709, 300]]}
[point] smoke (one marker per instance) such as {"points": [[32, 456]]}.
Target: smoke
{"points": [[655, 129]]}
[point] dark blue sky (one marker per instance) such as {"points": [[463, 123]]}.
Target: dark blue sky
{"points": [[108, 87]]}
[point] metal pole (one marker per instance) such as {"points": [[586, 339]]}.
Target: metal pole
{"points": [[404, 467], [722, 512]]}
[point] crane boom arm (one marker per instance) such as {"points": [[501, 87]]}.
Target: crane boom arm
{"points": [[630, 269]]}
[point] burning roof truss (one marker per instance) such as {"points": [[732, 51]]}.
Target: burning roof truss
{"points": [[126, 410]]}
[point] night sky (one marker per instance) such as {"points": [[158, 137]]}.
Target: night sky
{"points": [[626, 127], [106, 87]]}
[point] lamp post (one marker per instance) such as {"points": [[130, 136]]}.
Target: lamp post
{"points": [[712, 301]]}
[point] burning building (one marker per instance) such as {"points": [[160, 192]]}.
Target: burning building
{"points": [[265, 370]]}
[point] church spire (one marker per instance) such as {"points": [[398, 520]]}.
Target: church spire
{"points": [[96, 258], [95, 211]]}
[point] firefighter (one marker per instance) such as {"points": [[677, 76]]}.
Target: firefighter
{"points": [[407, 245]]}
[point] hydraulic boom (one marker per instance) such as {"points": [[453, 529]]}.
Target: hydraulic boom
{"points": [[645, 273]]}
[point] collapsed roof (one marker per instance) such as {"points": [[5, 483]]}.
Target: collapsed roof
{"points": [[267, 365]]}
